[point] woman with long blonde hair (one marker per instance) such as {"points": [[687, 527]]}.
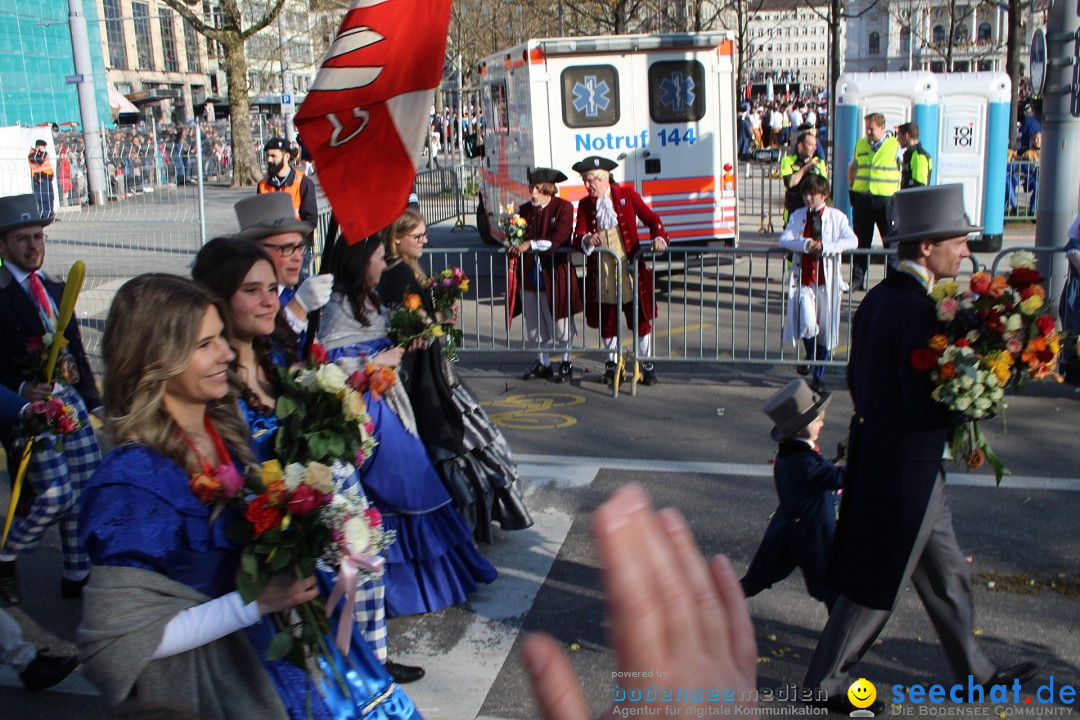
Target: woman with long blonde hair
{"points": [[162, 620], [472, 456]]}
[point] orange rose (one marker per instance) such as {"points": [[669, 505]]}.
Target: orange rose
{"points": [[276, 491], [947, 371], [976, 459], [938, 343], [411, 302], [980, 283], [206, 487], [262, 515]]}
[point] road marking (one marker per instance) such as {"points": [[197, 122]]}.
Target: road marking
{"points": [[530, 410]]}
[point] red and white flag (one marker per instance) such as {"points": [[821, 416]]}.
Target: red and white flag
{"points": [[365, 117]]}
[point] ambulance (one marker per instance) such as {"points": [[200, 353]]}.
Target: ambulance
{"points": [[661, 106]]}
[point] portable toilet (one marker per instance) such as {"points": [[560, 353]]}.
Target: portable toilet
{"points": [[972, 147], [899, 96]]}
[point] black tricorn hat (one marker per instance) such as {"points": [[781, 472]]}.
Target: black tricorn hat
{"points": [[931, 213], [545, 175], [278, 143], [594, 162]]}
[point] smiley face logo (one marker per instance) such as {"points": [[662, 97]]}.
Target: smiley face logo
{"points": [[862, 693]]}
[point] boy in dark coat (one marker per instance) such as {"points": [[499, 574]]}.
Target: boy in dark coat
{"points": [[802, 528]]}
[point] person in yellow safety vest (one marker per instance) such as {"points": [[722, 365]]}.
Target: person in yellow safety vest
{"points": [[796, 166], [281, 177], [874, 176], [41, 178], [916, 167]]}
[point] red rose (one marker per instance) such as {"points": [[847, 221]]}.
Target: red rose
{"points": [[35, 344], [359, 380], [1021, 278], [923, 359], [262, 515], [318, 353], [305, 499], [962, 342], [374, 517], [1046, 324]]}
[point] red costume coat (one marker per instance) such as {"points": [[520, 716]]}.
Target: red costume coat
{"points": [[629, 207], [556, 224]]}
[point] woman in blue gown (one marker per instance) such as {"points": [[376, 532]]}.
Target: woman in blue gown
{"points": [[241, 273], [434, 563], [162, 621]]}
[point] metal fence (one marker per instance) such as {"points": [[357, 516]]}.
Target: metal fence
{"points": [[1021, 190]]}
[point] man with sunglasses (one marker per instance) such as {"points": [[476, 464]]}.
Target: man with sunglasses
{"points": [[29, 307], [269, 220]]}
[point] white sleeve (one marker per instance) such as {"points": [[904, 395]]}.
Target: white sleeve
{"points": [[540, 245], [298, 326], [203, 624]]}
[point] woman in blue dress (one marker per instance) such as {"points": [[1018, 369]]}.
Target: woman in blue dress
{"points": [[162, 620], [434, 563], [242, 274]]}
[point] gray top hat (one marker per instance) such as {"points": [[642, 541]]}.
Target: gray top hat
{"points": [[268, 214], [934, 212], [793, 407], [18, 211]]}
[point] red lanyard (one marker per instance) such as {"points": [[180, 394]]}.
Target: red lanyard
{"points": [[222, 451]]}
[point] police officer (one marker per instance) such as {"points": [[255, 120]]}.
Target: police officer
{"points": [[41, 178], [916, 166], [281, 177], [874, 176], [794, 167]]}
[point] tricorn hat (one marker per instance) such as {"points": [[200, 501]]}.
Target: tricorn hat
{"points": [[545, 175], [18, 211], [934, 212], [793, 407], [268, 214], [278, 143], [594, 162]]}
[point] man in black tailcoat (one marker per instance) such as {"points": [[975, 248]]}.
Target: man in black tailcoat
{"points": [[894, 522]]}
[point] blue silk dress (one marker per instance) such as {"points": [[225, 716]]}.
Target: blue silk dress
{"points": [[434, 563], [139, 512]]}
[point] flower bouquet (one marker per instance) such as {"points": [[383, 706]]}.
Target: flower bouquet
{"points": [[447, 289], [53, 416], [408, 322], [37, 357], [998, 335], [513, 228], [376, 379]]}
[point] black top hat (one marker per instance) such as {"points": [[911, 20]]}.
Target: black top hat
{"points": [[545, 175], [278, 143], [931, 213], [793, 407], [19, 211], [594, 162], [41, 143], [268, 214]]}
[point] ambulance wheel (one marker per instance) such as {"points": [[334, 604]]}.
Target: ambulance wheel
{"points": [[483, 225]]}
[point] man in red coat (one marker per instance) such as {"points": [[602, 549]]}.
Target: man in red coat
{"points": [[608, 218], [550, 297]]}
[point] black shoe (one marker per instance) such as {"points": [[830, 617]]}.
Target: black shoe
{"points": [[648, 374], [841, 704], [44, 671], [817, 385], [609, 372], [404, 673], [566, 373], [1006, 676], [538, 370], [9, 584], [72, 589], [803, 370]]}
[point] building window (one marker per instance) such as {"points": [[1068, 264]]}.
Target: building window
{"points": [[590, 95], [939, 36], [875, 43], [168, 40], [985, 32], [905, 40], [986, 65], [114, 32], [191, 47], [144, 44], [960, 34]]}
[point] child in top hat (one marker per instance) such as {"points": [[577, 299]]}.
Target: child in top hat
{"points": [[802, 528]]}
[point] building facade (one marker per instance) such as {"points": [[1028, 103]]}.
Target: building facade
{"points": [[35, 59], [787, 41]]}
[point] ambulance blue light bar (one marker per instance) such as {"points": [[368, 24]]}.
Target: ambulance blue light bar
{"points": [[629, 43]]}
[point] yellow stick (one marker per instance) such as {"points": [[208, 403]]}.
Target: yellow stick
{"points": [[72, 288]]}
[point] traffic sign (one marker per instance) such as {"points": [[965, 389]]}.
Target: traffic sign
{"points": [[1037, 62], [286, 99]]}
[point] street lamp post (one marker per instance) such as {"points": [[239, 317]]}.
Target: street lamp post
{"points": [[84, 83]]}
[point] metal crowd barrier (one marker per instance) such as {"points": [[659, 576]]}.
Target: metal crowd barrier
{"points": [[1021, 190], [440, 194]]}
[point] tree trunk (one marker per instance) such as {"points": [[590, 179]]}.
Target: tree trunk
{"points": [[245, 166], [1012, 64]]}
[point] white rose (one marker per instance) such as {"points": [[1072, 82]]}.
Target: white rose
{"points": [[1022, 259], [1014, 323], [306, 379], [331, 378], [966, 381], [963, 403], [357, 533], [294, 475], [977, 389], [983, 404]]}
